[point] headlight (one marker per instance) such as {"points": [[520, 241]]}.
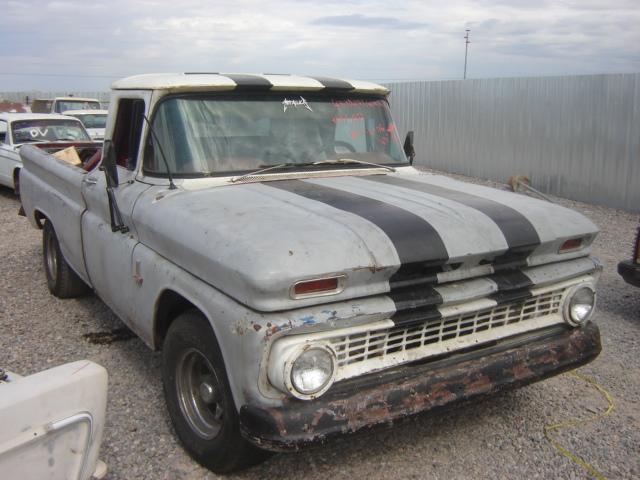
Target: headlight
{"points": [[304, 370], [312, 370], [579, 305]]}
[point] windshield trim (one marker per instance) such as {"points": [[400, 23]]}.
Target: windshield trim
{"points": [[252, 94]]}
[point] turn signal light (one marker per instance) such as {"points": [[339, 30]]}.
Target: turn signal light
{"points": [[571, 244], [318, 286]]}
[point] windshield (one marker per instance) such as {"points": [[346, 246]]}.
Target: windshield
{"points": [[92, 120], [208, 135], [47, 131], [64, 105]]}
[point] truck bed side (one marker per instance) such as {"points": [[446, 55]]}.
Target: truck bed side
{"points": [[52, 189]]}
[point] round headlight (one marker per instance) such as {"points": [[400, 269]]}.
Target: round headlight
{"points": [[581, 305], [312, 371]]}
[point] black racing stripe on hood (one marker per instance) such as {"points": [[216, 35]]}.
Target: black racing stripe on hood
{"points": [[513, 286], [511, 280], [249, 81], [520, 234], [417, 243]]}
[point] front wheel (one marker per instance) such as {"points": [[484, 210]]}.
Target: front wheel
{"points": [[199, 398], [62, 281]]}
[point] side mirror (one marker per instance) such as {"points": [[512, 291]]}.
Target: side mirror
{"points": [[109, 164], [409, 151]]}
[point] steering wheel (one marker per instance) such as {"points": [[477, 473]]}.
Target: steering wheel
{"points": [[347, 145]]}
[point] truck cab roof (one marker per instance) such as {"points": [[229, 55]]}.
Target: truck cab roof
{"points": [[233, 81]]}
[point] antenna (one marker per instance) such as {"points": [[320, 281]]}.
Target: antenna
{"points": [[466, 49]]}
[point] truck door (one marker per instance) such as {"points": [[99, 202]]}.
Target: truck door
{"points": [[107, 253]]}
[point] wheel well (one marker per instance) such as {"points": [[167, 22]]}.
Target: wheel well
{"points": [[16, 180], [169, 306], [40, 218]]}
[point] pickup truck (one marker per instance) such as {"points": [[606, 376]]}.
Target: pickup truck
{"points": [[269, 234], [62, 104]]}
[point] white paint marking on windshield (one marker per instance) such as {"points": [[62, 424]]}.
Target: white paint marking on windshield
{"points": [[286, 103]]}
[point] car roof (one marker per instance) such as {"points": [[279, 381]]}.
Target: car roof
{"points": [[12, 117], [233, 81], [85, 112], [66, 99]]}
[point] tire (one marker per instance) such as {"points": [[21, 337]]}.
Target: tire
{"points": [[16, 182], [62, 281], [199, 398]]}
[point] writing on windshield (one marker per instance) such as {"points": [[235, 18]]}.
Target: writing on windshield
{"points": [[25, 131]]}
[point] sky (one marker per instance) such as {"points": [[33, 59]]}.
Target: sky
{"points": [[86, 44]]}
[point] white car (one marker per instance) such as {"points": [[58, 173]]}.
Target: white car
{"points": [[16, 129], [93, 120], [52, 423]]}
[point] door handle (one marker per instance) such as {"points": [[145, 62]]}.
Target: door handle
{"points": [[90, 180]]}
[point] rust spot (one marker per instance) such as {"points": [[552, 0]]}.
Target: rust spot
{"points": [[371, 268], [257, 327]]}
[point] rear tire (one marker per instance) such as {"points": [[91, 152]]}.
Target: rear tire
{"points": [[62, 281], [199, 398]]}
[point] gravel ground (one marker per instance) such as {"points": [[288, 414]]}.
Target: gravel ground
{"points": [[498, 438]]}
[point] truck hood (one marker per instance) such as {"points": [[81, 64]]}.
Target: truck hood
{"points": [[254, 241]]}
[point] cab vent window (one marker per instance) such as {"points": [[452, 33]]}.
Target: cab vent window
{"points": [[126, 135]]}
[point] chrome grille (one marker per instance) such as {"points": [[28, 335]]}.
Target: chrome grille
{"points": [[359, 347]]}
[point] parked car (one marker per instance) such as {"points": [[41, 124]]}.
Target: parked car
{"points": [[62, 104], [17, 129], [93, 120], [302, 279], [630, 269], [52, 423]]}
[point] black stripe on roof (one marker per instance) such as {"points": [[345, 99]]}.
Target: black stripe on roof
{"points": [[334, 83], [520, 234], [249, 81]]}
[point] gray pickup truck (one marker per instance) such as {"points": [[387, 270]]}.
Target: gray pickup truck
{"points": [[303, 281]]}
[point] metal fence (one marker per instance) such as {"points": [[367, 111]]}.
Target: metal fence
{"points": [[576, 136], [28, 96]]}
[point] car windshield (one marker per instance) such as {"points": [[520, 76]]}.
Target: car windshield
{"points": [[209, 135], [92, 120], [47, 130], [64, 105]]}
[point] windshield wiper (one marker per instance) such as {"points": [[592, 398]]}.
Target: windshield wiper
{"points": [[345, 161], [266, 169]]}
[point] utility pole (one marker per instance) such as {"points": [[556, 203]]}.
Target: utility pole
{"points": [[466, 49]]}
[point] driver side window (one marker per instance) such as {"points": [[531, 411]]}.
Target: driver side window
{"points": [[3, 132]]}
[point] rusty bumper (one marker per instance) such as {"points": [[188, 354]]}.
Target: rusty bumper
{"points": [[389, 396]]}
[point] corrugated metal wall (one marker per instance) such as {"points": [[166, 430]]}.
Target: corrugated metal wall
{"points": [[576, 136]]}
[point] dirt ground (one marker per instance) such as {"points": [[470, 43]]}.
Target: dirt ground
{"points": [[502, 437]]}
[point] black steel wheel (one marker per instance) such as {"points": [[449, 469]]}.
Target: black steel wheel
{"points": [[62, 281], [199, 398]]}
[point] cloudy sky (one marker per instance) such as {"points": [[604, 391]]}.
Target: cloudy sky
{"points": [[85, 44]]}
